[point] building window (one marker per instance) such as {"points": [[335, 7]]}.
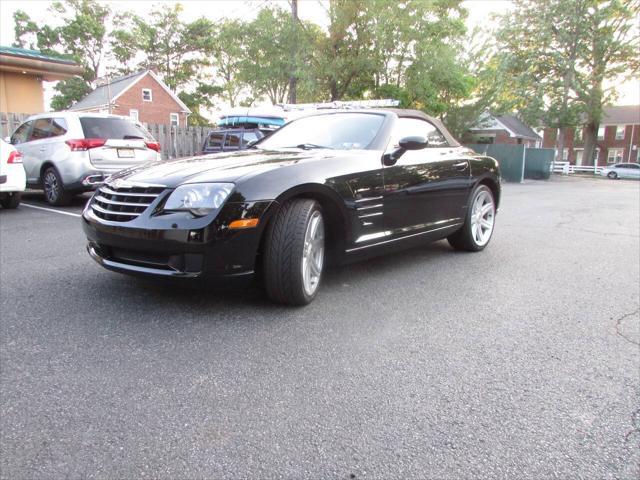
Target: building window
{"points": [[615, 155], [579, 152], [620, 132], [578, 135], [133, 115], [596, 156], [147, 96], [174, 119], [565, 154], [601, 133]]}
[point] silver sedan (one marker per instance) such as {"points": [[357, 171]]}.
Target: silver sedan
{"points": [[622, 170]]}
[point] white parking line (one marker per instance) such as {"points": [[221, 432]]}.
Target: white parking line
{"points": [[22, 204]]}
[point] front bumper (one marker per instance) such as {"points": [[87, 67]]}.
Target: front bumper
{"points": [[179, 247]]}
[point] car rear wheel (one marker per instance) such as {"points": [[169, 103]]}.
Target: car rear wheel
{"points": [[54, 191], [480, 220], [10, 200], [612, 175], [294, 252]]}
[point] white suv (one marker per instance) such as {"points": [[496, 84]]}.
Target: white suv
{"points": [[66, 153]]}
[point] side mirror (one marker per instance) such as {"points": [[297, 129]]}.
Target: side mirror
{"points": [[407, 143], [413, 143], [7, 139]]}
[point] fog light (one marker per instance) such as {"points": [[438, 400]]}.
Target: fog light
{"points": [[195, 235]]}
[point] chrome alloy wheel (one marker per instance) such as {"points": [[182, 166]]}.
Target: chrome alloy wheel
{"points": [[483, 215], [313, 253], [51, 187]]}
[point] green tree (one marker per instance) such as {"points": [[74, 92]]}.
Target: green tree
{"points": [[344, 64], [269, 58], [83, 36], [609, 52], [169, 46], [226, 48], [200, 98], [560, 54]]}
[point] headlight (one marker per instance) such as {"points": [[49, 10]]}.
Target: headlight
{"points": [[198, 198]]}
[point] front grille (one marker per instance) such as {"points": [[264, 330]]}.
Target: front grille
{"points": [[123, 204]]}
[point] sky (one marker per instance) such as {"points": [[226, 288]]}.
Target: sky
{"points": [[480, 12]]}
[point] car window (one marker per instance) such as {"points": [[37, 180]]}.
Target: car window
{"points": [[232, 140], [21, 133], [215, 140], [635, 166], [248, 137], [41, 129], [112, 128], [409, 127], [58, 127], [340, 131], [621, 166]]}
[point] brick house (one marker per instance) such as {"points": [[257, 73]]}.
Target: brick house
{"points": [[618, 138], [502, 129], [141, 96]]}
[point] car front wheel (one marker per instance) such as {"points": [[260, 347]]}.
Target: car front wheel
{"points": [[54, 191], [480, 220], [612, 175], [294, 252]]}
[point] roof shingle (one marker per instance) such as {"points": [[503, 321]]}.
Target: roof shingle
{"points": [[100, 96]]}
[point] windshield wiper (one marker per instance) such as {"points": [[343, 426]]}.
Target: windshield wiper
{"points": [[132, 137], [310, 146]]}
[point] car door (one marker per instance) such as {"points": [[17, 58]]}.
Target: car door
{"points": [[622, 171], [426, 189], [37, 148], [634, 170], [214, 142], [232, 141], [250, 136], [19, 139]]}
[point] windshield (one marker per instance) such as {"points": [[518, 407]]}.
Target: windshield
{"points": [[339, 131]]}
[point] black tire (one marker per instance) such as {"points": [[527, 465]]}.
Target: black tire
{"points": [[612, 175], [465, 239], [11, 200], [283, 252], [54, 191]]}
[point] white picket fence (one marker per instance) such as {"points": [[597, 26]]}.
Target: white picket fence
{"points": [[565, 168]]}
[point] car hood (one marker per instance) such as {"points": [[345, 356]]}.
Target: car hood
{"points": [[220, 167]]}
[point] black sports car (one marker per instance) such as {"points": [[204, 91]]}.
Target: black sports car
{"points": [[334, 186]]}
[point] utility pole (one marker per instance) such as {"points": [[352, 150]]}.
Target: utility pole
{"points": [[293, 80], [109, 94]]}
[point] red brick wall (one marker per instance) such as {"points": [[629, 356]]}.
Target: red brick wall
{"points": [[604, 145], [156, 111]]}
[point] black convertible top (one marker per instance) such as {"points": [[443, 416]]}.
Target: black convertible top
{"points": [[406, 113]]}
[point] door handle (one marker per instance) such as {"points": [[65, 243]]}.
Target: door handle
{"points": [[460, 166], [42, 149]]}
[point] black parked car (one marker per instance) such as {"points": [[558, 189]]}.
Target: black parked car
{"points": [[334, 186], [230, 139]]}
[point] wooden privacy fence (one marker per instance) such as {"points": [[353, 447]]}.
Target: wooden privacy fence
{"points": [[175, 142]]}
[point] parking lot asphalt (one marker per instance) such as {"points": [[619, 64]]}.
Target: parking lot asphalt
{"points": [[521, 361]]}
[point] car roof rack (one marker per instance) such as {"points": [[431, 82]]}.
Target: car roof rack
{"points": [[342, 105]]}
